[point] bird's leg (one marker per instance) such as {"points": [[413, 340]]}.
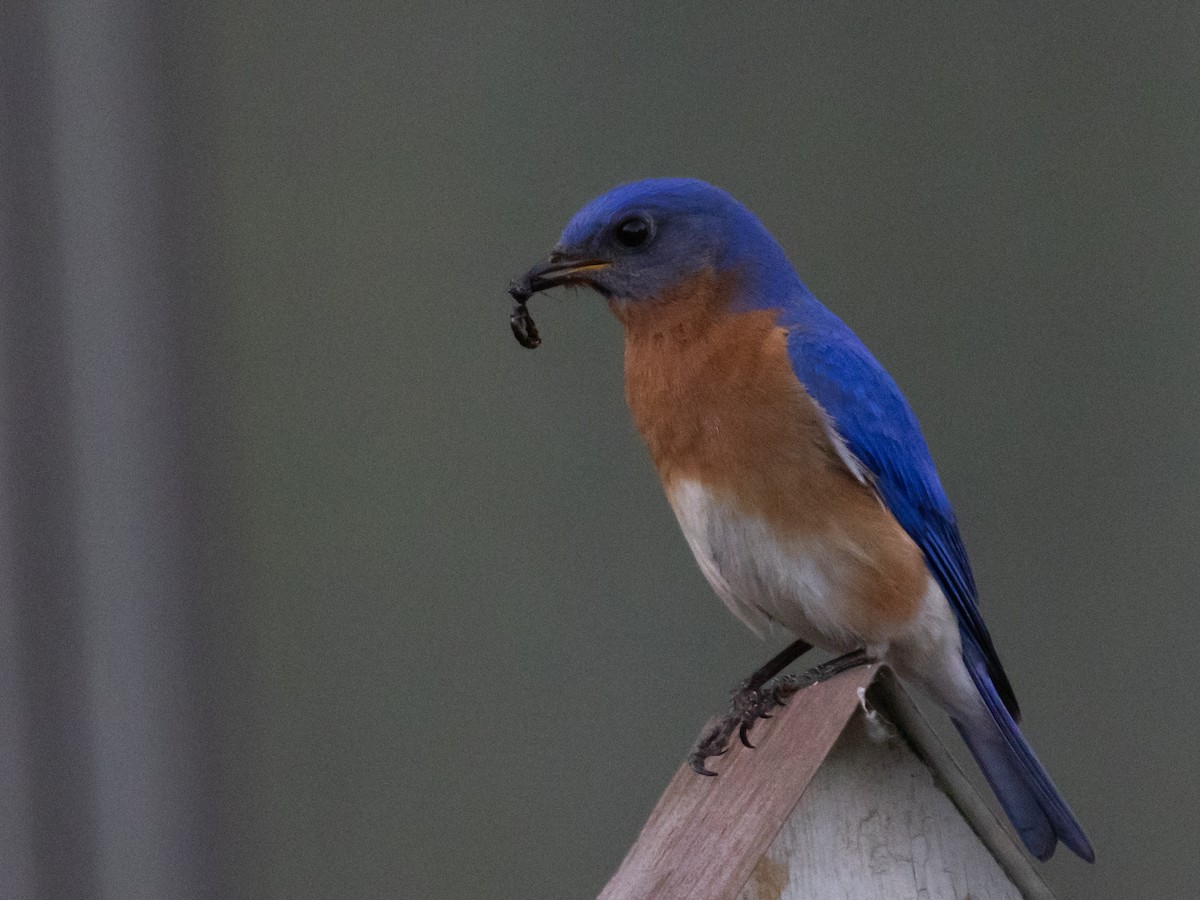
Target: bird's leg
{"points": [[747, 704], [779, 691], [762, 692]]}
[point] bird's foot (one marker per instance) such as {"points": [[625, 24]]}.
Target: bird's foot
{"points": [[753, 700], [748, 704]]}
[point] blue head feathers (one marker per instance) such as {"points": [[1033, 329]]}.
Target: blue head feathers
{"points": [[653, 234]]}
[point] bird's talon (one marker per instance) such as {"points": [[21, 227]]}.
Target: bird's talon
{"points": [[744, 737], [753, 699]]}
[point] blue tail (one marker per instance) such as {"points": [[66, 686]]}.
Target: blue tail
{"points": [[1034, 806]]}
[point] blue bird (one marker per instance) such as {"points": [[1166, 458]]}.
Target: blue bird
{"points": [[796, 468]]}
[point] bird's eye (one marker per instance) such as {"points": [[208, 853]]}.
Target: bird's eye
{"points": [[633, 231]]}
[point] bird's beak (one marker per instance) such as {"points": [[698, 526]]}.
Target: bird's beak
{"points": [[558, 268]]}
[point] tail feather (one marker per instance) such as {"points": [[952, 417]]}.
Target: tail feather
{"points": [[1033, 804]]}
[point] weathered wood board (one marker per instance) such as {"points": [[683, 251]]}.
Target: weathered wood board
{"points": [[832, 803]]}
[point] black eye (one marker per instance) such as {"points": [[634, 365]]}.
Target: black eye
{"points": [[632, 232]]}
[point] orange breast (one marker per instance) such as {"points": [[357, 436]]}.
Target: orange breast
{"points": [[714, 397]]}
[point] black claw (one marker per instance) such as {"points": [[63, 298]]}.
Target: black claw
{"points": [[697, 762], [744, 737]]}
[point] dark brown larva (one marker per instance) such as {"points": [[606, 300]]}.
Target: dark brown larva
{"points": [[523, 327]]}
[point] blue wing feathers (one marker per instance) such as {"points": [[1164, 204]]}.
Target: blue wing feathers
{"points": [[880, 429]]}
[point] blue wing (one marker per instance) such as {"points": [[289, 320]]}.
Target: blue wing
{"points": [[877, 425]]}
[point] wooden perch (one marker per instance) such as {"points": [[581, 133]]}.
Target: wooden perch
{"points": [[833, 802]]}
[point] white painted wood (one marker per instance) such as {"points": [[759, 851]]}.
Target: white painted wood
{"points": [[706, 834], [831, 804], [874, 824]]}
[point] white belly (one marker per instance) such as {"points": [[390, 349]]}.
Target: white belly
{"points": [[806, 585], [801, 584]]}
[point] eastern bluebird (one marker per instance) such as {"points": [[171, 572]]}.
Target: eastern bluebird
{"points": [[795, 467]]}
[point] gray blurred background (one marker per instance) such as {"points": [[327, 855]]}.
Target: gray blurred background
{"points": [[315, 584]]}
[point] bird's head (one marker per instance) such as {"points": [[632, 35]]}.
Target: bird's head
{"points": [[642, 239]]}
